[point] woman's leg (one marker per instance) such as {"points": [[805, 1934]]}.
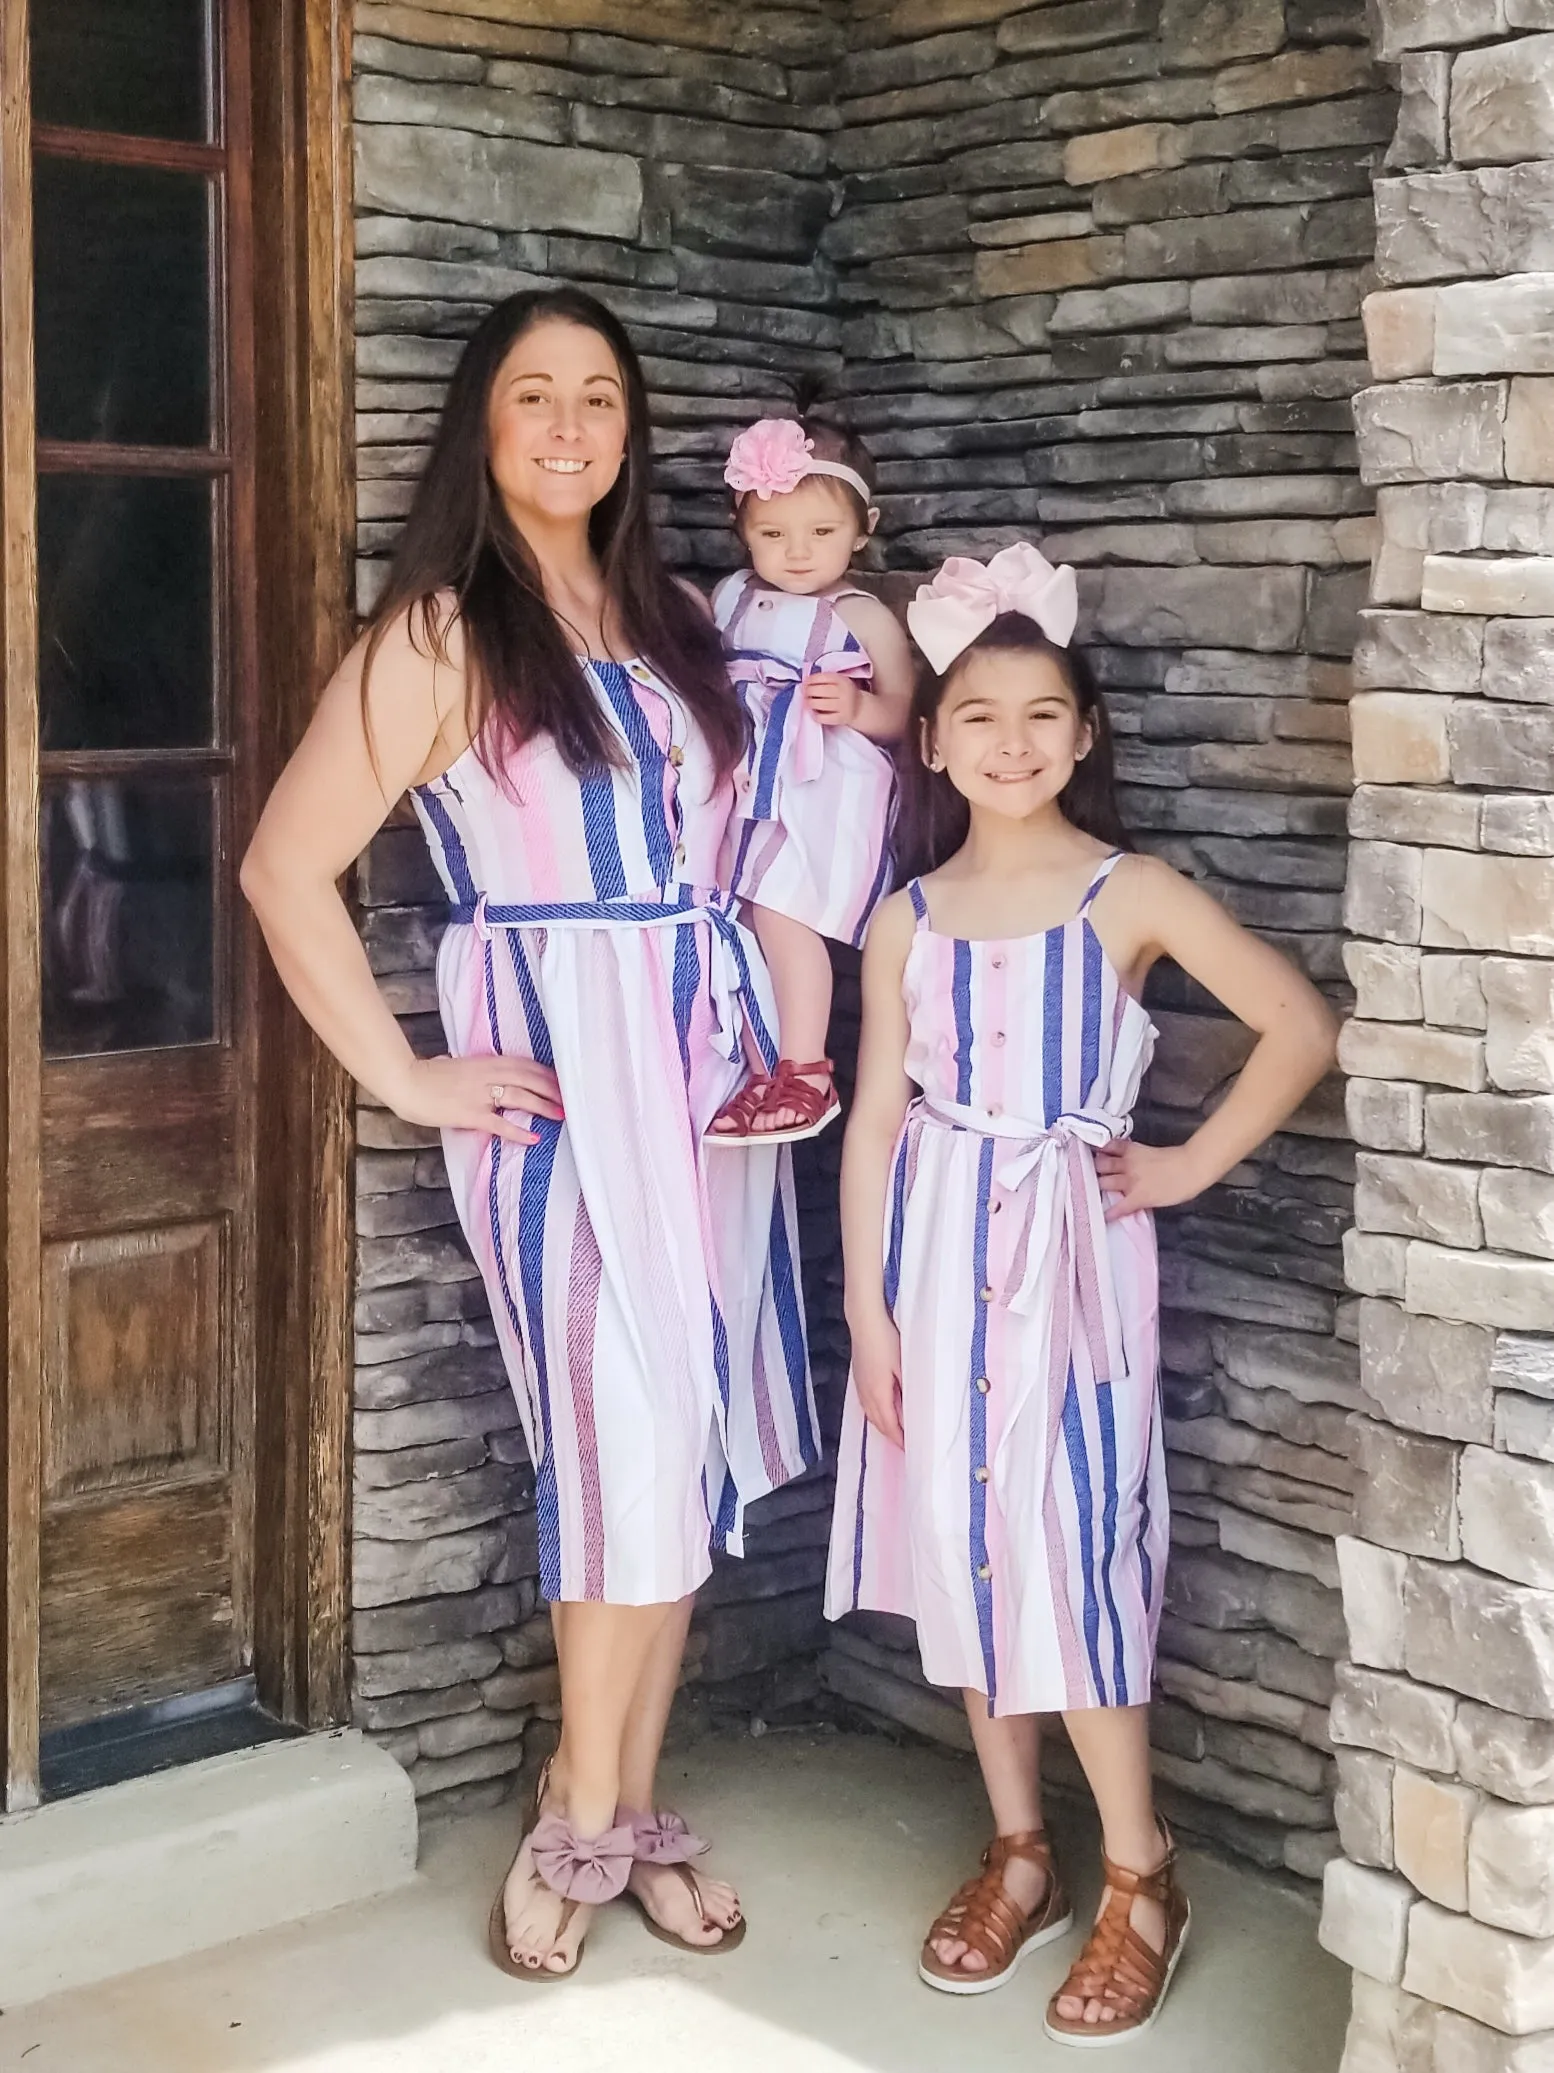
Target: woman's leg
{"points": [[800, 966], [1009, 1751], [602, 1650], [1112, 1743], [662, 1891]]}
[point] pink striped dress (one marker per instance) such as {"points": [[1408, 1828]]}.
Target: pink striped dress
{"points": [[646, 1300], [810, 833], [1024, 1525]]}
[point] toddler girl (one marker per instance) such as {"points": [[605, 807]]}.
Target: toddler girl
{"points": [[1002, 1479], [825, 674]]}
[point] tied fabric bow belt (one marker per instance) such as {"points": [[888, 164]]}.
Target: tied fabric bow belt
{"points": [[735, 1002], [1062, 1233], [791, 746]]}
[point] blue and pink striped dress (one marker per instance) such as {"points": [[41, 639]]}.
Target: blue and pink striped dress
{"points": [[810, 832], [646, 1300], [1024, 1525]]}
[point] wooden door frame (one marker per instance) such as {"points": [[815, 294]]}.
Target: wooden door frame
{"points": [[306, 524]]}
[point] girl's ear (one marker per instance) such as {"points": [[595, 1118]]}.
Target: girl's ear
{"points": [[1086, 741], [874, 519], [926, 748]]}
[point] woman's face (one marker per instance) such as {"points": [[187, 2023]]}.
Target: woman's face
{"points": [[803, 542], [1008, 732], [556, 423]]}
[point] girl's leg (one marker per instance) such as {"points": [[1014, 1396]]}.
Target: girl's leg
{"points": [[662, 1891], [800, 966], [1009, 1751], [1112, 1743], [602, 1650]]}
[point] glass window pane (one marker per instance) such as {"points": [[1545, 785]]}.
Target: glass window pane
{"points": [[128, 928], [122, 281], [136, 66], [124, 612]]}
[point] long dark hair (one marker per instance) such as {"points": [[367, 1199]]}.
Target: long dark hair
{"points": [[935, 819], [523, 676]]}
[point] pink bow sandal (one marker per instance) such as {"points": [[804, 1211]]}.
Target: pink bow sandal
{"points": [[586, 1871], [663, 1838]]}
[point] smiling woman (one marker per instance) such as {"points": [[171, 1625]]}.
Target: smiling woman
{"points": [[556, 706]]}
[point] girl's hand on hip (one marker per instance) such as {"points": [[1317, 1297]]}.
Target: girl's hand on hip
{"points": [[476, 1093], [834, 700], [877, 1378], [1135, 1177]]}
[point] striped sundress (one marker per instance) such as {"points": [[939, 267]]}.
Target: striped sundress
{"points": [[810, 832], [1024, 1525], [646, 1300]]}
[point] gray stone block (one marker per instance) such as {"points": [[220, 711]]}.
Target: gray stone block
{"points": [[1407, 1496], [1507, 1511], [1482, 1637], [500, 183], [1421, 139], [1424, 431], [1495, 747], [1504, 1755], [1502, 103], [1372, 1582], [1394, 1716], [1442, 226], [1365, 1919], [1511, 1869], [1362, 1807]]}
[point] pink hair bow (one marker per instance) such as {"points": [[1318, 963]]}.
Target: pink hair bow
{"points": [[587, 1868], [966, 597]]}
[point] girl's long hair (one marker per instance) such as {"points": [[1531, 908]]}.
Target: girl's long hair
{"points": [[934, 819], [523, 675]]}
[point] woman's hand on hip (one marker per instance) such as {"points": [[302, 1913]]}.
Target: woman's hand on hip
{"points": [[1136, 1177], [877, 1377], [477, 1093]]}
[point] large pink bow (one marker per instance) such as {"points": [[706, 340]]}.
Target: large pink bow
{"points": [[663, 1838], [591, 1868], [966, 597]]}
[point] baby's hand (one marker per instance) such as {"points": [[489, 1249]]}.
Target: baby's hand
{"points": [[1146, 1176], [834, 700]]}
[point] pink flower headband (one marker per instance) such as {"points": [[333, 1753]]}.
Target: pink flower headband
{"points": [[966, 597], [773, 456]]}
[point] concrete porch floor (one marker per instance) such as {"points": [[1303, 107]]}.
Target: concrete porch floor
{"points": [[844, 1848]]}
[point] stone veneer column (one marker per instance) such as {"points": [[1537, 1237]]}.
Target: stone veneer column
{"points": [[1444, 1901]]}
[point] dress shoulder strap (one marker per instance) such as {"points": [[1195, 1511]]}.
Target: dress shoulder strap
{"points": [[919, 902], [1100, 879]]}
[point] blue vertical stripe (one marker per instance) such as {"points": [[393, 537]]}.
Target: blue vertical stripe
{"points": [[981, 1586], [687, 978], [1105, 1413], [882, 878], [1052, 1026], [452, 846], [533, 1195], [960, 996], [1090, 1016], [1079, 1473], [897, 1225], [540, 1049], [614, 679], [919, 902], [790, 1330], [858, 1513], [771, 753]]}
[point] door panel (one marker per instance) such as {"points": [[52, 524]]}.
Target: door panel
{"points": [[147, 730]]}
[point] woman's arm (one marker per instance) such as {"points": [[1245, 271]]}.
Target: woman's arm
{"points": [[886, 705], [327, 805], [880, 1101], [1296, 1034]]}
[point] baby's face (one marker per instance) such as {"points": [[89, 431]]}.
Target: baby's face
{"points": [[803, 542]]}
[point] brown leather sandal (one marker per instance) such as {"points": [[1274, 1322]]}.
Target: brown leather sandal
{"points": [[1117, 1967], [788, 1088], [983, 1917]]}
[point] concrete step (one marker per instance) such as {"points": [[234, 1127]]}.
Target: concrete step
{"points": [[138, 1873]]}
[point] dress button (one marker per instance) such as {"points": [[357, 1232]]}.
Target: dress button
{"points": [[679, 855], [998, 964], [763, 604], [982, 1475], [677, 757], [985, 1571], [998, 1036], [983, 1385], [993, 1109], [987, 1294]]}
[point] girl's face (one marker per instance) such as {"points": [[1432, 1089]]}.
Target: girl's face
{"points": [[1008, 732], [803, 542], [556, 423]]}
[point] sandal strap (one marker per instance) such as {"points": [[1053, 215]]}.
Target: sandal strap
{"points": [[1117, 1967], [981, 1914], [789, 1088], [743, 1108]]}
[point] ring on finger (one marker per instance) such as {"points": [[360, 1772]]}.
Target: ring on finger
{"points": [[498, 1094]]}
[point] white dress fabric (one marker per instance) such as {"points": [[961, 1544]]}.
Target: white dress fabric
{"points": [[810, 835], [1024, 1525], [646, 1297]]}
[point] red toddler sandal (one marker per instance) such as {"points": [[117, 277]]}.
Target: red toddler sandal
{"points": [[788, 1088]]}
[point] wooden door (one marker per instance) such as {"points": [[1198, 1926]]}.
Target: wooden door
{"points": [[175, 1253], [143, 407]]}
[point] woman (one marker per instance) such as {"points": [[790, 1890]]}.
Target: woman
{"points": [[557, 707]]}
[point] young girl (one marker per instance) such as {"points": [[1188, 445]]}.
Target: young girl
{"points": [[1002, 1478], [825, 674]]}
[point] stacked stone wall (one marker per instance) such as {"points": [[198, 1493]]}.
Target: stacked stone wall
{"points": [[1444, 1901], [1102, 267], [680, 171]]}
